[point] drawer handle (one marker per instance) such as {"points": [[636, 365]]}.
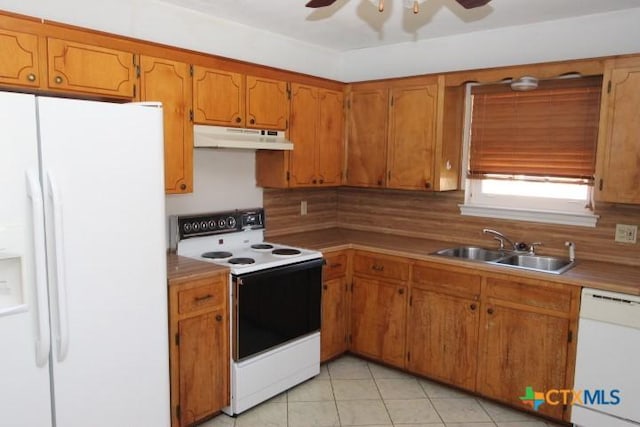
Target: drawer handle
{"points": [[473, 306], [490, 310], [219, 317], [31, 77], [377, 267], [58, 79], [203, 298], [336, 265]]}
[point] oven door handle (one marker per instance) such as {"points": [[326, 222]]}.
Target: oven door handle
{"points": [[235, 347]]}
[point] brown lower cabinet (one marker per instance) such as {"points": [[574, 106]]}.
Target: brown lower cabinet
{"points": [[335, 306], [199, 352], [490, 333]]}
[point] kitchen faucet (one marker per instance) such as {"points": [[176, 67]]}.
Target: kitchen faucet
{"points": [[501, 238]]}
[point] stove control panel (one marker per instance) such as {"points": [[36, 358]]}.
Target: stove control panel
{"points": [[186, 226]]}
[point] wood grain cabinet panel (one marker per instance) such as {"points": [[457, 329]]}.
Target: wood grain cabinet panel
{"points": [[267, 103], [335, 306], [329, 137], [199, 348], [378, 320], [412, 137], [79, 67], [618, 162], [303, 130], [169, 82], [19, 59], [218, 97], [388, 267], [367, 137]]}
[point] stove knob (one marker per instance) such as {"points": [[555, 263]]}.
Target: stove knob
{"points": [[231, 222], [222, 223], [203, 225], [195, 226], [186, 227], [212, 224]]}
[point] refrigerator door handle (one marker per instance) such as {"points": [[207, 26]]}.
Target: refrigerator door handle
{"points": [[59, 284], [43, 337]]}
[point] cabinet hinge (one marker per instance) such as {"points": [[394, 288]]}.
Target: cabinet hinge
{"points": [[137, 71], [177, 339], [411, 300], [570, 337], [286, 124], [600, 185], [178, 412], [191, 70], [135, 90], [408, 356], [351, 286], [350, 339], [609, 87], [288, 175], [391, 101], [288, 90], [190, 115]]}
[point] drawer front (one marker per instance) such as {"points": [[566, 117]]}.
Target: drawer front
{"points": [[381, 266], [545, 295], [447, 281], [210, 295], [336, 266]]}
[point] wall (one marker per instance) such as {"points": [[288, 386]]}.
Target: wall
{"points": [[437, 216], [588, 36], [282, 209]]}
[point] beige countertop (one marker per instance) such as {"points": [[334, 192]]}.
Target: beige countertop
{"points": [[593, 274], [181, 269]]}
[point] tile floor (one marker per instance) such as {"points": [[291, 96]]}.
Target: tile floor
{"points": [[353, 392]]}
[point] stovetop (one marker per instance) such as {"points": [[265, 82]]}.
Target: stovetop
{"points": [[234, 239]]}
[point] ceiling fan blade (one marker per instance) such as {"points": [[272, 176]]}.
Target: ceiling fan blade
{"points": [[470, 4], [320, 3]]}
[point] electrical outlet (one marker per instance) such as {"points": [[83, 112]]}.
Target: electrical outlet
{"points": [[303, 207], [626, 233]]}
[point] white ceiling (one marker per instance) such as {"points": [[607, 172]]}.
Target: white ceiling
{"points": [[356, 24]]}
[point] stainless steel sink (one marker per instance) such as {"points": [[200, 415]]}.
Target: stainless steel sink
{"points": [[472, 253], [525, 261], [537, 263]]}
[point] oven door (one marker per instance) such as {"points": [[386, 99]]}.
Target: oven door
{"points": [[275, 306]]}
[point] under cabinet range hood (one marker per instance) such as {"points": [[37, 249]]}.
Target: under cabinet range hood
{"points": [[250, 139]]}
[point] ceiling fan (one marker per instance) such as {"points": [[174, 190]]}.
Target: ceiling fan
{"points": [[467, 4]]}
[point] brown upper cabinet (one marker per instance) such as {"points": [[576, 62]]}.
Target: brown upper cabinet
{"points": [[169, 82], [316, 130], [225, 98], [78, 67], [618, 163], [400, 137], [19, 60]]}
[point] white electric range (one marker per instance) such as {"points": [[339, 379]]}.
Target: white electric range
{"points": [[275, 301]]}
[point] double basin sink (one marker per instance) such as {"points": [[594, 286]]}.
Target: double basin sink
{"points": [[525, 261]]}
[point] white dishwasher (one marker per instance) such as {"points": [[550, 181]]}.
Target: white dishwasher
{"points": [[607, 371]]}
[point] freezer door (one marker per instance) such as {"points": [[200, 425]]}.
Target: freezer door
{"points": [[25, 398], [102, 168]]}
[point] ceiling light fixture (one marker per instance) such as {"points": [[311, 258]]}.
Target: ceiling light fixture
{"points": [[413, 5]]}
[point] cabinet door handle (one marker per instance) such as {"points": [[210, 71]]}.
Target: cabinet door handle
{"points": [[219, 317], [401, 291], [203, 298], [58, 79], [31, 77], [473, 306], [252, 121], [379, 182], [427, 185], [183, 186], [321, 181], [376, 267], [490, 310], [324, 287], [315, 181], [238, 119]]}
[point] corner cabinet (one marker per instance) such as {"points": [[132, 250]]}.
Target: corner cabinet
{"points": [[335, 306], [618, 163], [199, 339], [400, 137], [379, 297], [169, 82]]}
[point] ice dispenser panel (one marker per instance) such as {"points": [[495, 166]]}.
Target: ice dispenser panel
{"points": [[11, 285]]}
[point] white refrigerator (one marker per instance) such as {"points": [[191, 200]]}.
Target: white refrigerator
{"points": [[83, 294]]}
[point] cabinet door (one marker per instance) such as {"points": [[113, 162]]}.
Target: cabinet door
{"points": [[618, 171], [334, 318], [442, 338], [267, 103], [90, 69], [169, 82], [218, 97], [367, 141], [378, 318], [329, 134], [304, 121], [203, 366], [19, 59], [412, 137], [522, 349]]}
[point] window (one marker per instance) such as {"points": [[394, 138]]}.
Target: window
{"points": [[531, 155]]}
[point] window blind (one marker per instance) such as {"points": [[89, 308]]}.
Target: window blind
{"points": [[549, 132]]}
